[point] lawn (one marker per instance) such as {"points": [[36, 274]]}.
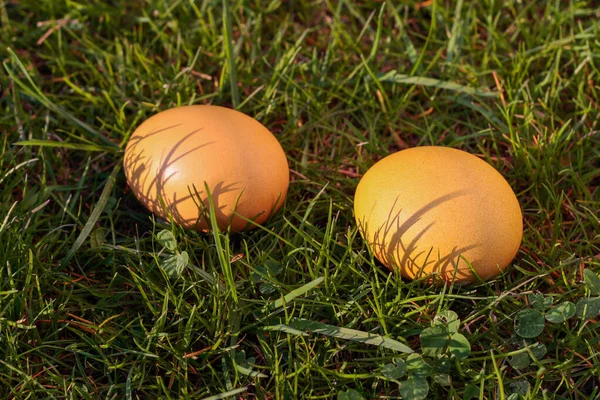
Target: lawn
{"points": [[100, 300]]}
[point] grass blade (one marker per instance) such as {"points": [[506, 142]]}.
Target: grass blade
{"points": [[250, 372], [285, 329], [481, 109], [377, 34], [344, 333], [430, 34], [297, 292], [395, 77], [26, 378], [128, 390], [91, 222], [207, 277], [222, 251], [410, 47], [230, 54], [64, 145], [227, 394], [451, 50], [37, 94], [17, 167]]}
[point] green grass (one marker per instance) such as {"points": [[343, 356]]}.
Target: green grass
{"points": [[86, 311]]}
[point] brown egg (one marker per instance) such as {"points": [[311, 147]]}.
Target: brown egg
{"points": [[171, 156], [436, 211]]}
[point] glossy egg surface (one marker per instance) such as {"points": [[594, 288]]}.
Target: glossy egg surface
{"points": [[174, 155], [437, 211]]}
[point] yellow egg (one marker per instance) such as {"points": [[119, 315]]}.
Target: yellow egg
{"points": [[171, 156], [439, 212]]}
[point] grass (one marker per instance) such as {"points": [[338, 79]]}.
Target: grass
{"points": [[86, 311]]}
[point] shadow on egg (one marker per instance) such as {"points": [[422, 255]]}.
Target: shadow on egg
{"points": [[439, 211], [395, 249], [149, 181], [177, 158]]}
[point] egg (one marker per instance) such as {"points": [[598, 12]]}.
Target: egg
{"points": [[439, 213], [174, 155]]}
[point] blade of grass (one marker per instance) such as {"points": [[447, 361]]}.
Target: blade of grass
{"points": [[96, 212], [410, 47], [498, 376], [344, 333], [296, 293], [395, 77], [250, 372], [430, 34], [207, 277], [284, 328], [34, 91], [26, 378], [384, 100], [377, 34], [17, 167], [451, 50], [64, 145], [480, 108], [230, 54], [222, 251], [227, 394]]}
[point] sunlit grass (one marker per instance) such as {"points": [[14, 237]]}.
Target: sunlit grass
{"points": [[299, 308]]}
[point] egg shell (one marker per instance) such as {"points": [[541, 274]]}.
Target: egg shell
{"points": [[171, 156], [431, 211]]}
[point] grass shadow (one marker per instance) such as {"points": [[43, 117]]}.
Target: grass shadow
{"points": [[153, 179], [394, 248]]}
